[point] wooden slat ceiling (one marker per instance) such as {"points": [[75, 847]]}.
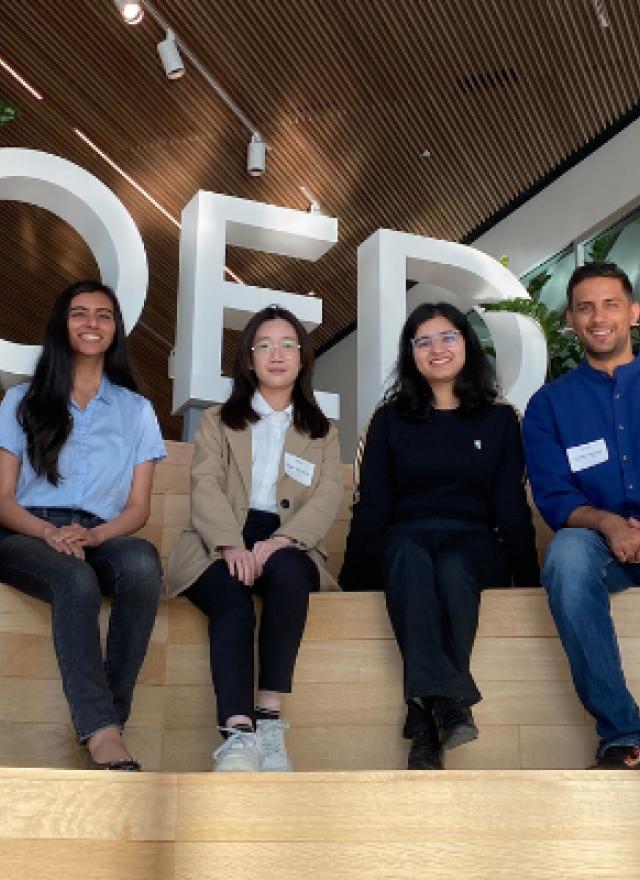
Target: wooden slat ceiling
{"points": [[347, 92]]}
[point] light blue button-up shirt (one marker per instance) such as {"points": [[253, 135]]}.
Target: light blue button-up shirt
{"points": [[117, 431]]}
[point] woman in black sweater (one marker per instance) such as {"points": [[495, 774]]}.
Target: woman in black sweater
{"points": [[442, 513]]}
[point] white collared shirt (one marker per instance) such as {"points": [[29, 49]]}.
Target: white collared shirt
{"points": [[267, 443]]}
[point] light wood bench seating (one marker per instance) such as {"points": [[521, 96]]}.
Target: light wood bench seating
{"points": [[346, 710], [62, 825]]}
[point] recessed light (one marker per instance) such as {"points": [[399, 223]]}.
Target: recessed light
{"points": [[133, 13]]}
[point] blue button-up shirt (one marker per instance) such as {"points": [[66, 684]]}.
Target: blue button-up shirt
{"points": [[117, 431], [585, 406]]}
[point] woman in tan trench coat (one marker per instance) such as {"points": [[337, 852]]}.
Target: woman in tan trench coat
{"points": [[266, 484]]}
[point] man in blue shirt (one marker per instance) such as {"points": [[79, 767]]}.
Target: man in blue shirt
{"points": [[582, 444]]}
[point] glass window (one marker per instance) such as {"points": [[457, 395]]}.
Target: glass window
{"points": [[547, 283], [482, 332], [619, 244]]}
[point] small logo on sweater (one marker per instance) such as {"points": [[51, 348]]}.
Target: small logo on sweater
{"points": [[477, 444]]}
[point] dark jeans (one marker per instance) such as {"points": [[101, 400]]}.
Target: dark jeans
{"points": [[287, 579], [434, 571], [99, 692]]}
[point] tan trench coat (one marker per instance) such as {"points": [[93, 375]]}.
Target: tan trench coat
{"points": [[220, 491]]}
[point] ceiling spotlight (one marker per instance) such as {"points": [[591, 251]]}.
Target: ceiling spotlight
{"points": [[133, 13], [601, 13], [256, 155], [170, 56], [314, 206]]}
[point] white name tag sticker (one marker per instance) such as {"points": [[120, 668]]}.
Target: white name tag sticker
{"points": [[587, 455], [298, 469]]}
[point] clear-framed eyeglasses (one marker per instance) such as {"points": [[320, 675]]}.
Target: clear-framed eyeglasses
{"points": [[448, 338], [287, 348]]}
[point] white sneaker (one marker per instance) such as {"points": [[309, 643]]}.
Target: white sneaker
{"points": [[270, 733], [241, 752]]}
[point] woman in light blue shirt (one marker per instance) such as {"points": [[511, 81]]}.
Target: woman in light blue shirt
{"points": [[78, 448]]}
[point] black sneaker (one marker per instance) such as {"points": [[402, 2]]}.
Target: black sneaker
{"points": [[619, 758], [454, 722], [425, 752]]}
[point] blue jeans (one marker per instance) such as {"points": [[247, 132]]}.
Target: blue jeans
{"points": [[99, 692], [579, 573]]}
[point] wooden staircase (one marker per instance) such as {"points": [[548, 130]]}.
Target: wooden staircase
{"points": [[509, 805], [346, 710], [477, 824]]}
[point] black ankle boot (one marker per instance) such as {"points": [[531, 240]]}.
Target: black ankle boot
{"points": [[454, 722], [425, 752]]}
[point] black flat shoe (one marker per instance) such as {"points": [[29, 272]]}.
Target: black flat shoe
{"points": [[126, 765], [425, 752], [454, 722], [618, 758]]}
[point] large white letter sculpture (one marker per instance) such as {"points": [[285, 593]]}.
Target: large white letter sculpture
{"points": [[207, 303], [96, 214], [457, 274]]}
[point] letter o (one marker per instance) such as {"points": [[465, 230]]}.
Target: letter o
{"points": [[97, 215]]}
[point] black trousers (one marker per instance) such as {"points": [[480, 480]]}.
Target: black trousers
{"points": [[434, 571], [287, 579]]}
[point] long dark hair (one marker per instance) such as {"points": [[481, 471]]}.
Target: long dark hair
{"points": [[475, 386], [237, 412], [44, 412]]}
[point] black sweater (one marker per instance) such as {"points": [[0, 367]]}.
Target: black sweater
{"points": [[446, 466]]}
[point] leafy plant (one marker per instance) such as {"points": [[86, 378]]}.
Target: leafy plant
{"points": [[564, 349], [602, 245], [7, 112], [534, 287]]}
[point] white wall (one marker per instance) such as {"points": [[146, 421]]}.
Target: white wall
{"points": [[336, 371], [603, 187]]}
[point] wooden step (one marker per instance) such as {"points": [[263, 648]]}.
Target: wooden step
{"points": [[346, 710], [65, 825]]}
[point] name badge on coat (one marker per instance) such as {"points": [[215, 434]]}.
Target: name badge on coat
{"points": [[587, 455], [298, 469]]}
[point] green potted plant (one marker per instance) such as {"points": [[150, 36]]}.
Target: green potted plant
{"points": [[7, 112], [564, 349]]}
